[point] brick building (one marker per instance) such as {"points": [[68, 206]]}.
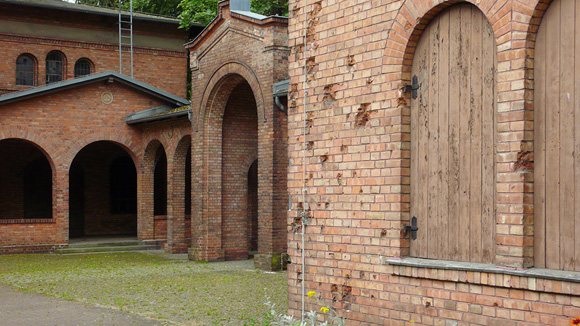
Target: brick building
{"points": [[479, 151], [85, 151], [239, 160]]}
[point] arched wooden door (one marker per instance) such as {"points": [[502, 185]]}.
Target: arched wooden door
{"points": [[453, 138], [557, 138]]}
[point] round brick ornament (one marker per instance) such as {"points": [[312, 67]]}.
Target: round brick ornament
{"points": [[107, 97]]}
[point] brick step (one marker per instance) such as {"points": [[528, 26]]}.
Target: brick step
{"points": [[114, 243], [105, 249]]}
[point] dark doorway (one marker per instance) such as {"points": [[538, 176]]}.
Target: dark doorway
{"points": [[160, 183], [102, 191], [188, 183], [76, 200], [253, 206]]}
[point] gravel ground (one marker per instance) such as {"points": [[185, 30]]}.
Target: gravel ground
{"points": [[152, 284]]}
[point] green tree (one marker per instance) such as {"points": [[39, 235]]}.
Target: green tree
{"points": [[197, 11], [190, 11], [270, 7]]}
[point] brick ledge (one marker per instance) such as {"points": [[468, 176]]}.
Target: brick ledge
{"points": [[531, 273], [27, 221]]}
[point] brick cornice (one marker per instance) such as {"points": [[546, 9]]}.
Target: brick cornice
{"points": [[90, 45]]}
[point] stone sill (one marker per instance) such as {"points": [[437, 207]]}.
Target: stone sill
{"points": [[484, 274], [27, 221]]}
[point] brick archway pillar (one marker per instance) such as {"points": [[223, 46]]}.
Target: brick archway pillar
{"points": [[176, 237], [206, 170]]}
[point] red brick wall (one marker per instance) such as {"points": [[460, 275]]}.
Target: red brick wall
{"points": [[159, 57], [166, 70], [355, 177], [239, 150]]}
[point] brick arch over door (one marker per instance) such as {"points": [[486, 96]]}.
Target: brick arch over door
{"points": [[453, 137], [69, 152], [48, 148], [413, 18], [218, 80], [557, 138]]}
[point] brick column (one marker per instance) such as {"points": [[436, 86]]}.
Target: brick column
{"points": [[514, 225], [175, 199], [145, 194], [60, 203]]}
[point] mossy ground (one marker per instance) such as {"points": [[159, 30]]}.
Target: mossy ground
{"points": [[153, 285]]}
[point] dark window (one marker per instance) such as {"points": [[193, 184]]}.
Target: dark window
{"points": [[83, 67], [54, 67], [123, 186], [25, 70]]}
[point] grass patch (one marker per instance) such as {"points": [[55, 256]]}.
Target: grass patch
{"points": [[180, 291]]}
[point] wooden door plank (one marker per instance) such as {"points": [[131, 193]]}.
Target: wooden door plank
{"points": [[540, 149], [552, 136], [422, 237], [419, 178], [489, 122], [465, 120], [566, 135], [433, 139], [577, 139], [476, 135], [454, 87], [414, 154], [443, 146]]}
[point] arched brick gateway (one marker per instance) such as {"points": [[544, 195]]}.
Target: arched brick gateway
{"points": [[219, 79]]}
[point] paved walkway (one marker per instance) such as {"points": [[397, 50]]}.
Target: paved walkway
{"points": [[21, 308]]}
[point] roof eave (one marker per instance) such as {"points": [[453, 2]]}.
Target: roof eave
{"points": [[157, 118], [72, 83], [113, 13]]}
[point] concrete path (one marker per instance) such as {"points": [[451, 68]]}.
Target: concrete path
{"points": [[21, 308]]}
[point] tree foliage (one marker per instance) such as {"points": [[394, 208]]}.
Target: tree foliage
{"points": [[190, 11]]}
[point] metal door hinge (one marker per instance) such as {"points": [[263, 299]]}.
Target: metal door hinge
{"points": [[411, 228], [413, 87]]}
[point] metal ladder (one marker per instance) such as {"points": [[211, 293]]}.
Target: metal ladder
{"points": [[126, 38]]}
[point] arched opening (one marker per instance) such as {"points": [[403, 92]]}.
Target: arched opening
{"points": [[160, 183], [453, 138], [103, 191], [239, 149], [25, 181], [253, 206]]}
